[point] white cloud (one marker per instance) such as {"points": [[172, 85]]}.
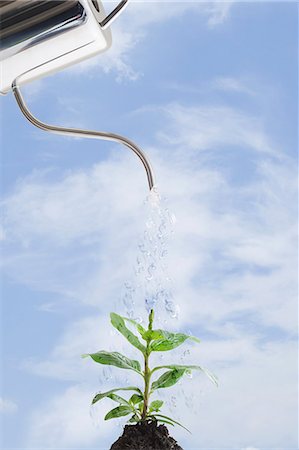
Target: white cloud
{"points": [[66, 423], [213, 127], [116, 60], [84, 336], [250, 448], [7, 406], [247, 389], [145, 13], [233, 85], [2, 234], [135, 25]]}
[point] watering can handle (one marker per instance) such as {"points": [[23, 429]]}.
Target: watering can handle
{"points": [[116, 11]]}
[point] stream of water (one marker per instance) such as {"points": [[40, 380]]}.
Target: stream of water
{"points": [[150, 284]]}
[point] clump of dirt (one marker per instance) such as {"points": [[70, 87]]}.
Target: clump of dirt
{"points": [[145, 436]]}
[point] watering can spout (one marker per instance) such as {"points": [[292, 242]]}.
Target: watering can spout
{"points": [[85, 133]]}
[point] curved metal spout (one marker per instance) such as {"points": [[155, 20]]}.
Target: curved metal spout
{"points": [[84, 133]]}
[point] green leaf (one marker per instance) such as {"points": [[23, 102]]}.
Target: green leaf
{"points": [[169, 341], [102, 395], [134, 419], [140, 407], [139, 327], [119, 411], [212, 377], [168, 379], [118, 399], [116, 359], [155, 405], [151, 335], [172, 420], [164, 421], [119, 323], [135, 399]]}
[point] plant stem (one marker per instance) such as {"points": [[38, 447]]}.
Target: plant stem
{"points": [[147, 376], [147, 371]]}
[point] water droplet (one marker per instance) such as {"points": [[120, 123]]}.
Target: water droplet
{"points": [[189, 401], [163, 254], [107, 373], [150, 271], [172, 309], [142, 247], [189, 374], [150, 303], [128, 285]]}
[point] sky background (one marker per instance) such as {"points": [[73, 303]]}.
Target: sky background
{"points": [[209, 91]]}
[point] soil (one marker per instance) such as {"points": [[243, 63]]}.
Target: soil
{"points": [[145, 436]]}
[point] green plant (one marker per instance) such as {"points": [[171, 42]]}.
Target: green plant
{"points": [[138, 405]]}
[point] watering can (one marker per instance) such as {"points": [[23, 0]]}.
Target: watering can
{"points": [[40, 37]]}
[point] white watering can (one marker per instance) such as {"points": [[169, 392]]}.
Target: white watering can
{"points": [[39, 37]]}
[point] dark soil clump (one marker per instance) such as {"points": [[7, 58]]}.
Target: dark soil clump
{"points": [[145, 436]]}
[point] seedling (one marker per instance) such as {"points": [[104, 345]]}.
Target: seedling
{"points": [[138, 406]]}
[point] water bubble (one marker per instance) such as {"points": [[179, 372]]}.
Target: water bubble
{"points": [[149, 223], [142, 247], [173, 401], [185, 354], [189, 374], [164, 253], [172, 309], [127, 299], [150, 303], [171, 217], [150, 271], [130, 313], [107, 374], [189, 401]]}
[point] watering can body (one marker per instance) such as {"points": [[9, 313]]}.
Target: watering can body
{"points": [[41, 37]]}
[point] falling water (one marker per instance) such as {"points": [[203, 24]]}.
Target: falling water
{"points": [[151, 284]]}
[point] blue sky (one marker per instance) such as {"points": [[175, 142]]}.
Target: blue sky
{"points": [[209, 90]]}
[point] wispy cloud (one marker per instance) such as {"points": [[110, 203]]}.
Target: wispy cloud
{"points": [[66, 422], [214, 127], [134, 26], [7, 406], [230, 84]]}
